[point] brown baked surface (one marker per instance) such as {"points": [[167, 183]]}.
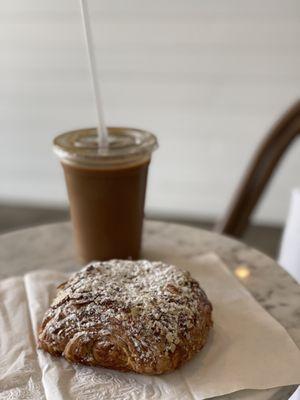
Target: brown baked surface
{"points": [[142, 316]]}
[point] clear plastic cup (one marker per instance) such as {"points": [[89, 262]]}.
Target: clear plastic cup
{"points": [[106, 189]]}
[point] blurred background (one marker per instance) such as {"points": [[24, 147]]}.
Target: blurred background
{"points": [[208, 77]]}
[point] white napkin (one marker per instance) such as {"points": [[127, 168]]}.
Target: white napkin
{"points": [[289, 256], [247, 348]]}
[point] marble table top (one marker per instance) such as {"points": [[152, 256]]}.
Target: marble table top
{"points": [[46, 246]]}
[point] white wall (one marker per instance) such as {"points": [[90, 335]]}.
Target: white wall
{"points": [[208, 77]]}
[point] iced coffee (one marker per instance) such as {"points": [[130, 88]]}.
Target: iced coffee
{"points": [[106, 189]]}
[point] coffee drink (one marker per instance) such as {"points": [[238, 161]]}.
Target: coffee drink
{"points": [[106, 189]]}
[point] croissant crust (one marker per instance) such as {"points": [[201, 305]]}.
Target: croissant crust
{"points": [[142, 316]]}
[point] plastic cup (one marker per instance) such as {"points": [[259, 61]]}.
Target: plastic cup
{"points": [[106, 189]]}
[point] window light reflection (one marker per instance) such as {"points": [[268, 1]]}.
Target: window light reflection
{"points": [[242, 272]]}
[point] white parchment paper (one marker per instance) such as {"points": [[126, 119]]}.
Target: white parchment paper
{"points": [[247, 348]]}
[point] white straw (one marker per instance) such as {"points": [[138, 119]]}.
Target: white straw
{"points": [[102, 131]]}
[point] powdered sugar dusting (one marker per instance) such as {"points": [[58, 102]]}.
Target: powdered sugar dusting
{"points": [[156, 304]]}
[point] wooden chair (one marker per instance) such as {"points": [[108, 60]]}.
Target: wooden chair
{"points": [[259, 173]]}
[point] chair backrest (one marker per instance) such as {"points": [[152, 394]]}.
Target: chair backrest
{"points": [[259, 172]]}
